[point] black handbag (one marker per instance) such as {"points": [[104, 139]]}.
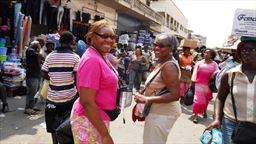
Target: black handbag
{"points": [[189, 96], [113, 114], [244, 132], [212, 84], [64, 133]]}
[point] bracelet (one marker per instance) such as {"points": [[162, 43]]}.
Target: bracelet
{"points": [[147, 100]]}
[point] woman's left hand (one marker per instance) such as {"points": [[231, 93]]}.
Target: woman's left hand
{"points": [[139, 98]]}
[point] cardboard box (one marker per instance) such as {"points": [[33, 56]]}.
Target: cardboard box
{"points": [[188, 43]]}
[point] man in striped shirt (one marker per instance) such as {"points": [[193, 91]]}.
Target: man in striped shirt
{"points": [[60, 69]]}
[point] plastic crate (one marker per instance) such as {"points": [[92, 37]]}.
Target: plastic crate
{"points": [[2, 43], [3, 58], [3, 50]]}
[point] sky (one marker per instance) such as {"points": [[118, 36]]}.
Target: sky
{"points": [[212, 18]]}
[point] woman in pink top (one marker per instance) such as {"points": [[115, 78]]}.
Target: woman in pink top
{"points": [[97, 86], [202, 73]]}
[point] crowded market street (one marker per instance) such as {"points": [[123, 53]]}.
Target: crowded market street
{"points": [[17, 128]]}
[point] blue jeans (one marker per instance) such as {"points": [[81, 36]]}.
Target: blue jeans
{"points": [[32, 87], [134, 80], [132, 75], [227, 127]]}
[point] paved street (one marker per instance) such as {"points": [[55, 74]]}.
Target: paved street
{"points": [[18, 128]]}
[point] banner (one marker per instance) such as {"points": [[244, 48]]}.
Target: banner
{"points": [[244, 23]]}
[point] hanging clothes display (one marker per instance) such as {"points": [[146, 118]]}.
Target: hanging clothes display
{"points": [[32, 8], [79, 29], [7, 17], [60, 15], [49, 16], [97, 18], [78, 16], [65, 23], [86, 17]]}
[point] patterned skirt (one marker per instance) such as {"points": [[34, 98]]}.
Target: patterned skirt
{"points": [[83, 130]]}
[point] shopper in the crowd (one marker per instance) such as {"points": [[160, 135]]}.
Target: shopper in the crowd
{"points": [[165, 108], [198, 53], [244, 93], [50, 46], [203, 71], [113, 58], [33, 68], [60, 69], [137, 63], [97, 86], [3, 96], [224, 66], [42, 50], [186, 65]]}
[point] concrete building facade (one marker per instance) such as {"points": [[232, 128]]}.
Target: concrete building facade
{"points": [[174, 20], [157, 16]]}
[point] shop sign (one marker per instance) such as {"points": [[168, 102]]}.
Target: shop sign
{"points": [[244, 23]]}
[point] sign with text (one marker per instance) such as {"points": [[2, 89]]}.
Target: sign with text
{"points": [[244, 23]]}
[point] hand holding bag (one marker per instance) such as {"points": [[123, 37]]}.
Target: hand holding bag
{"points": [[244, 132], [138, 113], [148, 106]]}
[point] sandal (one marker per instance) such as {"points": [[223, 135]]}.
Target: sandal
{"points": [[195, 120], [30, 111]]}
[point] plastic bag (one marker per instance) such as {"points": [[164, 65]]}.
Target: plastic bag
{"points": [[44, 90]]}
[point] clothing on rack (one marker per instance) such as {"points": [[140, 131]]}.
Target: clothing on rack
{"points": [[86, 17], [65, 23], [32, 8], [60, 15], [79, 29], [78, 16]]}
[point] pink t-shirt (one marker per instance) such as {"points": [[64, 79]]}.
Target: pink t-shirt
{"points": [[94, 73]]}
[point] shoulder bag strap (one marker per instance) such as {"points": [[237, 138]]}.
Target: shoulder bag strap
{"points": [[154, 77], [232, 96], [143, 90]]}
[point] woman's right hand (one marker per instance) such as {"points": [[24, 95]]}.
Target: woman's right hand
{"points": [[214, 124], [107, 139]]}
